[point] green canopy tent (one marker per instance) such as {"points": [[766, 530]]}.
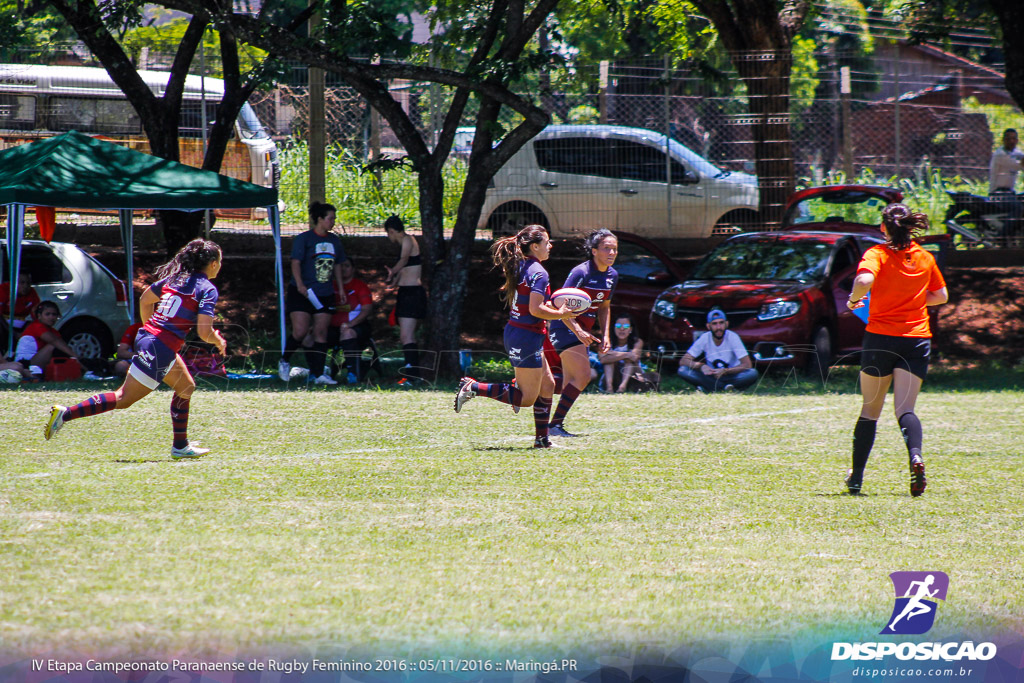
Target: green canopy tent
{"points": [[80, 172]]}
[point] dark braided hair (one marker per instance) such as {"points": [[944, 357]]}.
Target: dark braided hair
{"points": [[509, 252], [594, 239], [192, 258], [903, 225]]}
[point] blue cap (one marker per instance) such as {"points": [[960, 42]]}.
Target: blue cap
{"points": [[716, 314]]}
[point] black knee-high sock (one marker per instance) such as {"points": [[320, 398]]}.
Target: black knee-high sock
{"points": [[541, 413], [291, 344], [412, 358], [913, 435], [863, 440], [317, 358], [350, 347]]}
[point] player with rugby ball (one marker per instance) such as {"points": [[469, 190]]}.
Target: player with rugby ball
{"points": [[526, 292], [597, 278]]}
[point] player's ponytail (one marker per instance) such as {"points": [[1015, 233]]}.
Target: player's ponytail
{"points": [[903, 225], [508, 253], [194, 257]]}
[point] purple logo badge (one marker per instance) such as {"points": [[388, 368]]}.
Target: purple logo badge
{"points": [[917, 596]]}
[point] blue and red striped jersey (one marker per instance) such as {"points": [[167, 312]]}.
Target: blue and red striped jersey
{"points": [[181, 303]]}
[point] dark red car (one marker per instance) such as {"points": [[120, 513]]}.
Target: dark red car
{"points": [[783, 291], [644, 269]]}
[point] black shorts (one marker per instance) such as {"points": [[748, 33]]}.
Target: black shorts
{"points": [[412, 302], [882, 354], [296, 303]]}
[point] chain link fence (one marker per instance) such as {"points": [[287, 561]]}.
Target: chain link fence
{"points": [[912, 116]]}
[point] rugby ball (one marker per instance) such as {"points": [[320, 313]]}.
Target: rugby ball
{"points": [[576, 299]]}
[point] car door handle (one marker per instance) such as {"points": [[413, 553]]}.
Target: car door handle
{"points": [[63, 294], [627, 191], [549, 184]]}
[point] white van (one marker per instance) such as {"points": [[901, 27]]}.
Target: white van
{"points": [[575, 178], [42, 101]]}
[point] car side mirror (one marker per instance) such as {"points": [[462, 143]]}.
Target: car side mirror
{"points": [[691, 177]]}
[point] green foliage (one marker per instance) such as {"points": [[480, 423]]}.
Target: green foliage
{"points": [[29, 36], [925, 191], [165, 37], [1000, 117], [369, 27], [354, 188]]}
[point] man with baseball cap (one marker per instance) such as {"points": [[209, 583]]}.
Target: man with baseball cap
{"points": [[724, 363]]}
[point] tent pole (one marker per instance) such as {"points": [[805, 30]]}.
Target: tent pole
{"points": [[15, 233], [275, 226], [128, 240]]}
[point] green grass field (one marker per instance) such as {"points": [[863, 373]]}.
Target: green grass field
{"points": [[383, 521]]}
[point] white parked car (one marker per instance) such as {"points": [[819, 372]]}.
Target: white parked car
{"points": [[93, 302], [574, 178]]}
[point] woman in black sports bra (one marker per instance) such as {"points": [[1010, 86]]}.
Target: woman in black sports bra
{"points": [[412, 297]]}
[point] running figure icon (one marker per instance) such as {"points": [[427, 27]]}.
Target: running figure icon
{"points": [[916, 605]]}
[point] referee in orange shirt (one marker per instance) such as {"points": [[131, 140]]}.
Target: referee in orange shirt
{"points": [[904, 281]]}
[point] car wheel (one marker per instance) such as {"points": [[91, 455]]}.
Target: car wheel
{"points": [[508, 219], [820, 359], [88, 338], [736, 222]]}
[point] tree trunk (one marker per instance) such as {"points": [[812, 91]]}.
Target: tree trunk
{"points": [[1011, 19], [768, 91]]}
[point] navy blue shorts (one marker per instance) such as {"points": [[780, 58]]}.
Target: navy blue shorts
{"points": [[562, 337], [884, 353], [153, 360], [524, 347]]}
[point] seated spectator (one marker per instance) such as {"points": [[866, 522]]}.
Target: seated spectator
{"points": [[24, 305], [40, 341], [12, 372], [349, 329], [350, 325], [726, 365], [125, 350], [622, 362]]}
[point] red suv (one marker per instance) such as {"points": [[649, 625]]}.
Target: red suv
{"points": [[784, 292]]}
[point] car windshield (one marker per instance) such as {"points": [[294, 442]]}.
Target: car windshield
{"points": [[765, 260], [846, 206]]}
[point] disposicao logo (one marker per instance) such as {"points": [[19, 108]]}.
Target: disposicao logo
{"points": [[917, 596]]}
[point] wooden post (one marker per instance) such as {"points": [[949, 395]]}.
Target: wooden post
{"points": [[844, 95], [602, 96], [317, 138]]}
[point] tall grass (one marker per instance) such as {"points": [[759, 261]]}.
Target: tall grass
{"points": [[361, 198], [925, 191]]}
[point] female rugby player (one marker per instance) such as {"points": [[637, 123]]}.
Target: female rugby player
{"points": [[904, 281], [181, 299], [596, 277], [526, 292]]}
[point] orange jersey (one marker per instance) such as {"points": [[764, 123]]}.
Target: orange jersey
{"points": [[902, 279]]}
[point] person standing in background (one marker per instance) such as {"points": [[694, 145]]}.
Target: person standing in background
{"points": [[316, 275], [411, 306]]}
